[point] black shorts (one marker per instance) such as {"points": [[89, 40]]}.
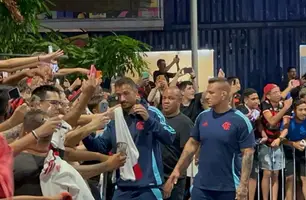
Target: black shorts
{"points": [[299, 164]]}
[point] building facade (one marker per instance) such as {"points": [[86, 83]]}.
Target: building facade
{"points": [[255, 40]]}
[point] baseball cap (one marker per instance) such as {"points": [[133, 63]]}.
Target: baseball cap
{"points": [[269, 87]]}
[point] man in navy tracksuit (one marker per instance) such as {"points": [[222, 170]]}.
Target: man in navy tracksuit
{"points": [[148, 129]]}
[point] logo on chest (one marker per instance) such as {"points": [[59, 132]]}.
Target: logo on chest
{"points": [[140, 126], [226, 126], [205, 124]]}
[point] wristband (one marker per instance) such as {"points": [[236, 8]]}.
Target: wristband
{"points": [[35, 135], [281, 139]]}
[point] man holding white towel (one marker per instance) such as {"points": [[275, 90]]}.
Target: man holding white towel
{"points": [[148, 129]]}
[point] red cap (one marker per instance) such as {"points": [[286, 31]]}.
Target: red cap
{"points": [[269, 87]]}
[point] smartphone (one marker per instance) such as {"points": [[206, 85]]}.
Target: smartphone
{"points": [[57, 81], [103, 106], [296, 83], [55, 67], [50, 49], [138, 116], [188, 70], [14, 93], [93, 71], [145, 75], [99, 74], [112, 100]]}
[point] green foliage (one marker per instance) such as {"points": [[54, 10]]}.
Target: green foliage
{"points": [[111, 54], [13, 33]]}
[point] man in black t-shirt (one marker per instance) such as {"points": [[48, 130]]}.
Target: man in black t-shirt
{"points": [[291, 75], [163, 69], [171, 153], [191, 103]]}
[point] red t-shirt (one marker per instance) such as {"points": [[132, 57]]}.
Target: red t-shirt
{"points": [[6, 170]]}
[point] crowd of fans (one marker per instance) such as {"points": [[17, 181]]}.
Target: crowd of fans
{"points": [[68, 140]]}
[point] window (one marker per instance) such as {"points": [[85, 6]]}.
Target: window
{"points": [[104, 14]]}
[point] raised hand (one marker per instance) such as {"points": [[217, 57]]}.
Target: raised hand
{"points": [[49, 127], [99, 122], [221, 73], [89, 86], [288, 103], [51, 56], [19, 113]]}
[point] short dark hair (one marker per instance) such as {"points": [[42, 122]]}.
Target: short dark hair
{"points": [[217, 80], [159, 61], [23, 85], [182, 85], [248, 91], [232, 79], [302, 95], [298, 102], [94, 101], [290, 68], [41, 91], [125, 81], [33, 119], [4, 99], [4, 103]]}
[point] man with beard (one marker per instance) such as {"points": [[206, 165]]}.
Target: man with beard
{"points": [[149, 129]]}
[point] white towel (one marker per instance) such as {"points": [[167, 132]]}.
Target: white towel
{"points": [[131, 170], [58, 137], [58, 176]]}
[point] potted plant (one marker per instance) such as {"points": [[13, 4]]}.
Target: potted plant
{"points": [[115, 54]]}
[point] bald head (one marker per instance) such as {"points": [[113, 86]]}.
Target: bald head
{"points": [[172, 99], [175, 91]]}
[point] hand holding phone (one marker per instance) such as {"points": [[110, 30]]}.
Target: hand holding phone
{"points": [[221, 73], [177, 60], [99, 74], [14, 93], [103, 106], [188, 70], [139, 110], [92, 71], [295, 83]]}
